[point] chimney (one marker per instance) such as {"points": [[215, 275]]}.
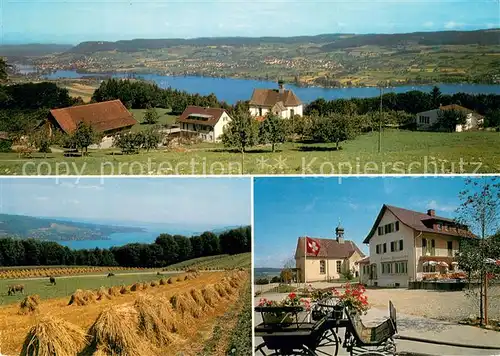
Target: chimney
{"points": [[431, 212]]}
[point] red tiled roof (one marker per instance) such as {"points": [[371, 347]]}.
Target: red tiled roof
{"points": [[458, 108], [330, 248], [270, 97], [210, 115], [417, 221], [103, 116]]}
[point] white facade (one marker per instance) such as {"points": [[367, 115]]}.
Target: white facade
{"points": [[207, 132], [286, 114], [426, 119], [393, 266], [315, 269]]}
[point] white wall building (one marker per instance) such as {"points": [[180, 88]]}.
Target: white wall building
{"points": [[427, 119], [406, 245], [282, 102], [206, 123]]}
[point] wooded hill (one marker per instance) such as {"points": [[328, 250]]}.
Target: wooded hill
{"points": [[330, 41]]}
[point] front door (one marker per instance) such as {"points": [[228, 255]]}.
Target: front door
{"points": [[373, 272]]}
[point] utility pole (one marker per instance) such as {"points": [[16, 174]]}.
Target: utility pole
{"points": [[380, 123]]}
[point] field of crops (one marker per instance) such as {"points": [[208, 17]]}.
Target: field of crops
{"points": [[65, 286], [158, 317], [218, 262], [29, 272]]}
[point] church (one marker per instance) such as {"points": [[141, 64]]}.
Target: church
{"points": [[335, 257]]}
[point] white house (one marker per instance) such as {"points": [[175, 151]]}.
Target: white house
{"points": [[407, 245], [282, 102], [426, 119], [335, 257], [206, 123]]}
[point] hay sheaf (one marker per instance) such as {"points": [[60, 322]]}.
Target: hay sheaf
{"points": [[114, 291], [154, 284], [156, 322], [198, 298], [115, 332], [185, 305], [162, 282], [124, 290], [179, 279], [170, 281], [136, 287], [145, 286], [52, 336], [210, 295], [29, 304], [103, 294], [82, 297], [221, 291]]}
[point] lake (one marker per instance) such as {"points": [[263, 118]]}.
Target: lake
{"points": [[231, 90], [115, 239]]}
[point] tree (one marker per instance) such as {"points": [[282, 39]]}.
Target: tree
{"points": [[479, 210], [3, 70], [337, 128], [272, 130], [151, 139], [241, 132], [492, 118], [83, 136], [435, 97], [151, 116], [287, 271], [41, 141]]}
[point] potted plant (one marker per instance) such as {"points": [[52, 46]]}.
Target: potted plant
{"points": [[353, 298], [278, 313]]}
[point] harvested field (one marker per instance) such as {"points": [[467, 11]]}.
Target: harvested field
{"points": [[147, 313]]}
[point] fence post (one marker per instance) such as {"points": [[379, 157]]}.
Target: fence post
{"points": [[486, 299]]}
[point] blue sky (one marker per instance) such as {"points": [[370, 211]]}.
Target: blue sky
{"points": [[286, 208], [185, 201], [73, 21]]}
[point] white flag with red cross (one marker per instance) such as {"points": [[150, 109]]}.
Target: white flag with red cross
{"points": [[312, 246]]}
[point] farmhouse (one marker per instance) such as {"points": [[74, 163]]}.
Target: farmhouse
{"points": [[108, 117], [206, 123], [407, 245], [336, 256], [282, 102], [427, 119]]}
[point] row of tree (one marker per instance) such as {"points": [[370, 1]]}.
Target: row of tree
{"points": [[166, 250], [411, 102]]}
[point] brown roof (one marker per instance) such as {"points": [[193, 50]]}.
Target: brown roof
{"points": [[330, 248], [458, 108], [417, 221], [103, 116], [270, 97], [201, 116]]}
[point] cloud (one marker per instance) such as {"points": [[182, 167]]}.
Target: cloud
{"points": [[452, 24], [428, 24], [42, 198], [449, 208]]}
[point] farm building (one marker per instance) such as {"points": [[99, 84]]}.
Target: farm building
{"points": [[407, 245], [427, 119], [282, 102], [108, 117], [205, 123], [335, 257]]}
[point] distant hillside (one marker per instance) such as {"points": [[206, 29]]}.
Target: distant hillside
{"points": [[56, 230], [330, 41], [32, 50]]}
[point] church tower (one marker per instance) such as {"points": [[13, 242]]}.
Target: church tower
{"points": [[339, 232]]}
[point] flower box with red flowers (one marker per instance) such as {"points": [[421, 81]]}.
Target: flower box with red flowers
{"points": [[284, 312]]}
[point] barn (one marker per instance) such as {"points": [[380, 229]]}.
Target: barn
{"points": [[107, 117]]}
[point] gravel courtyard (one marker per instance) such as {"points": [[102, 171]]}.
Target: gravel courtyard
{"points": [[450, 306]]}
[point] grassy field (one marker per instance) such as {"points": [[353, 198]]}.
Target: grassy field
{"points": [[67, 285], [402, 152], [242, 260]]}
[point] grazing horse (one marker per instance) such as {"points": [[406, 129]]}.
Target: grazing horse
{"points": [[15, 288], [111, 274], [52, 281]]}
